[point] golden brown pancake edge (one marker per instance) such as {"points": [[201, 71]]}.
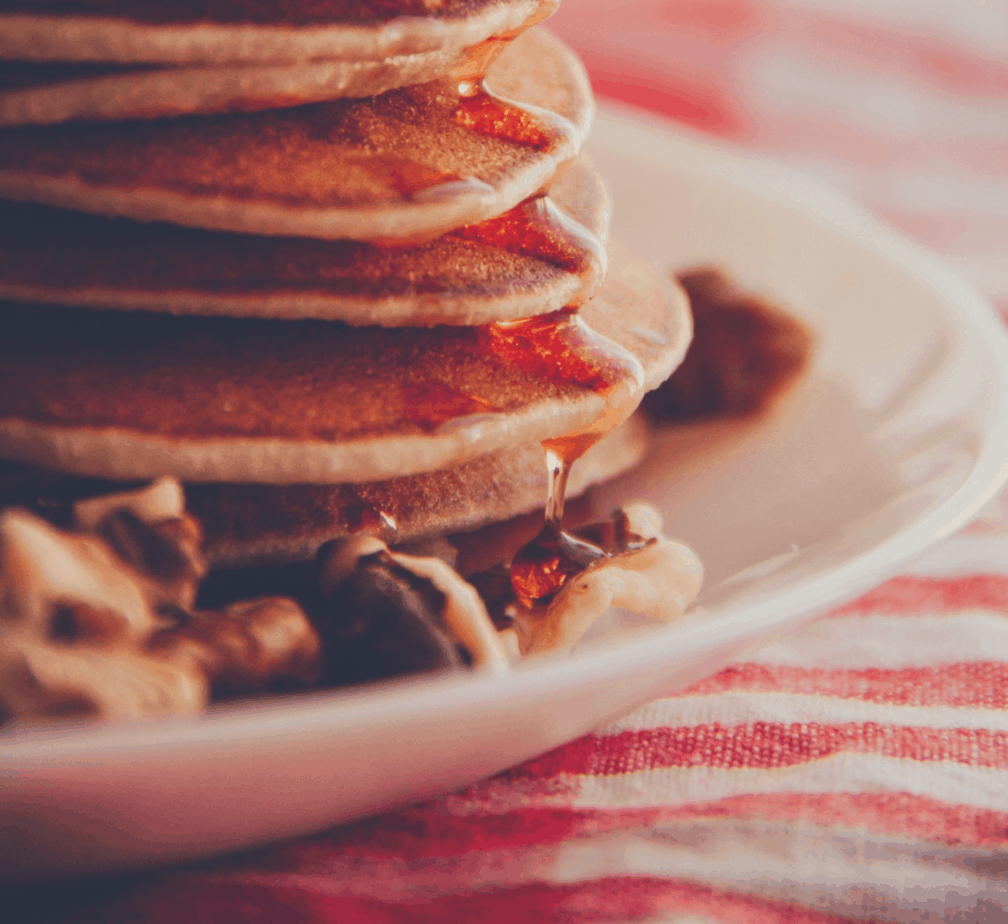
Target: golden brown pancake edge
{"points": [[124, 409]]}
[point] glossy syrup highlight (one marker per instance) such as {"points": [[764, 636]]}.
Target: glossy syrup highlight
{"points": [[536, 228], [541, 568], [482, 110], [479, 109]]}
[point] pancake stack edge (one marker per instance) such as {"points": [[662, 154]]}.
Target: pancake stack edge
{"points": [[338, 290], [262, 375]]}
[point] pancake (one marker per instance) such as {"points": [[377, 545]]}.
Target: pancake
{"points": [[410, 164], [45, 94], [266, 524], [135, 396], [217, 31], [352, 319], [249, 524], [529, 261]]}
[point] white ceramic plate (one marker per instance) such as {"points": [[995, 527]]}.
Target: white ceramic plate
{"points": [[898, 436]]}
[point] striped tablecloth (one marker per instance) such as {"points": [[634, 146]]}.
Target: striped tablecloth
{"points": [[855, 770]]}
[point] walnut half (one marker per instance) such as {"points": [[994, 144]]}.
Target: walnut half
{"points": [[650, 575], [103, 621]]}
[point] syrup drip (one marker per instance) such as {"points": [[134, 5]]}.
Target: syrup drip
{"points": [[486, 113], [483, 111], [543, 566], [561, 347], [480, 56], [362, 517], [537, 228], [540, 568]]}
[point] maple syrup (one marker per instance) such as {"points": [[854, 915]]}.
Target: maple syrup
{"points": [[537, 228], [432, 404], [577, 354], [541, 567], [561, 347], [487, 113], [363, 517], [481, 110]]}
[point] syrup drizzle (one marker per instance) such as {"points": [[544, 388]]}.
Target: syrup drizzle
{"points": [[487, 113], [537, 228], [363, 517], [481, 110], [562, 348], [540, 568]]}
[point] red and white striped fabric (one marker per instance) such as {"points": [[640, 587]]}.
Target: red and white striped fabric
{"points": [[856, 770]]}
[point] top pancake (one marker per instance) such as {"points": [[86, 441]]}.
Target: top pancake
{"points": [[218, 31], [133, 396], [44, 93], [409, 164]]}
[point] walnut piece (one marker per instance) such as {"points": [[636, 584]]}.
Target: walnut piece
{"points": [[246, 646], [73, 619], [116, 680], [162, 499], [103, 621], [653, 576], [464, 614]]}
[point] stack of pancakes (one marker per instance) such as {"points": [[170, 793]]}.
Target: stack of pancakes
{"points": [[305, 258]]}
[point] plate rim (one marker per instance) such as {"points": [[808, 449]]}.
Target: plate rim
{"points": [[332, 713]]}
